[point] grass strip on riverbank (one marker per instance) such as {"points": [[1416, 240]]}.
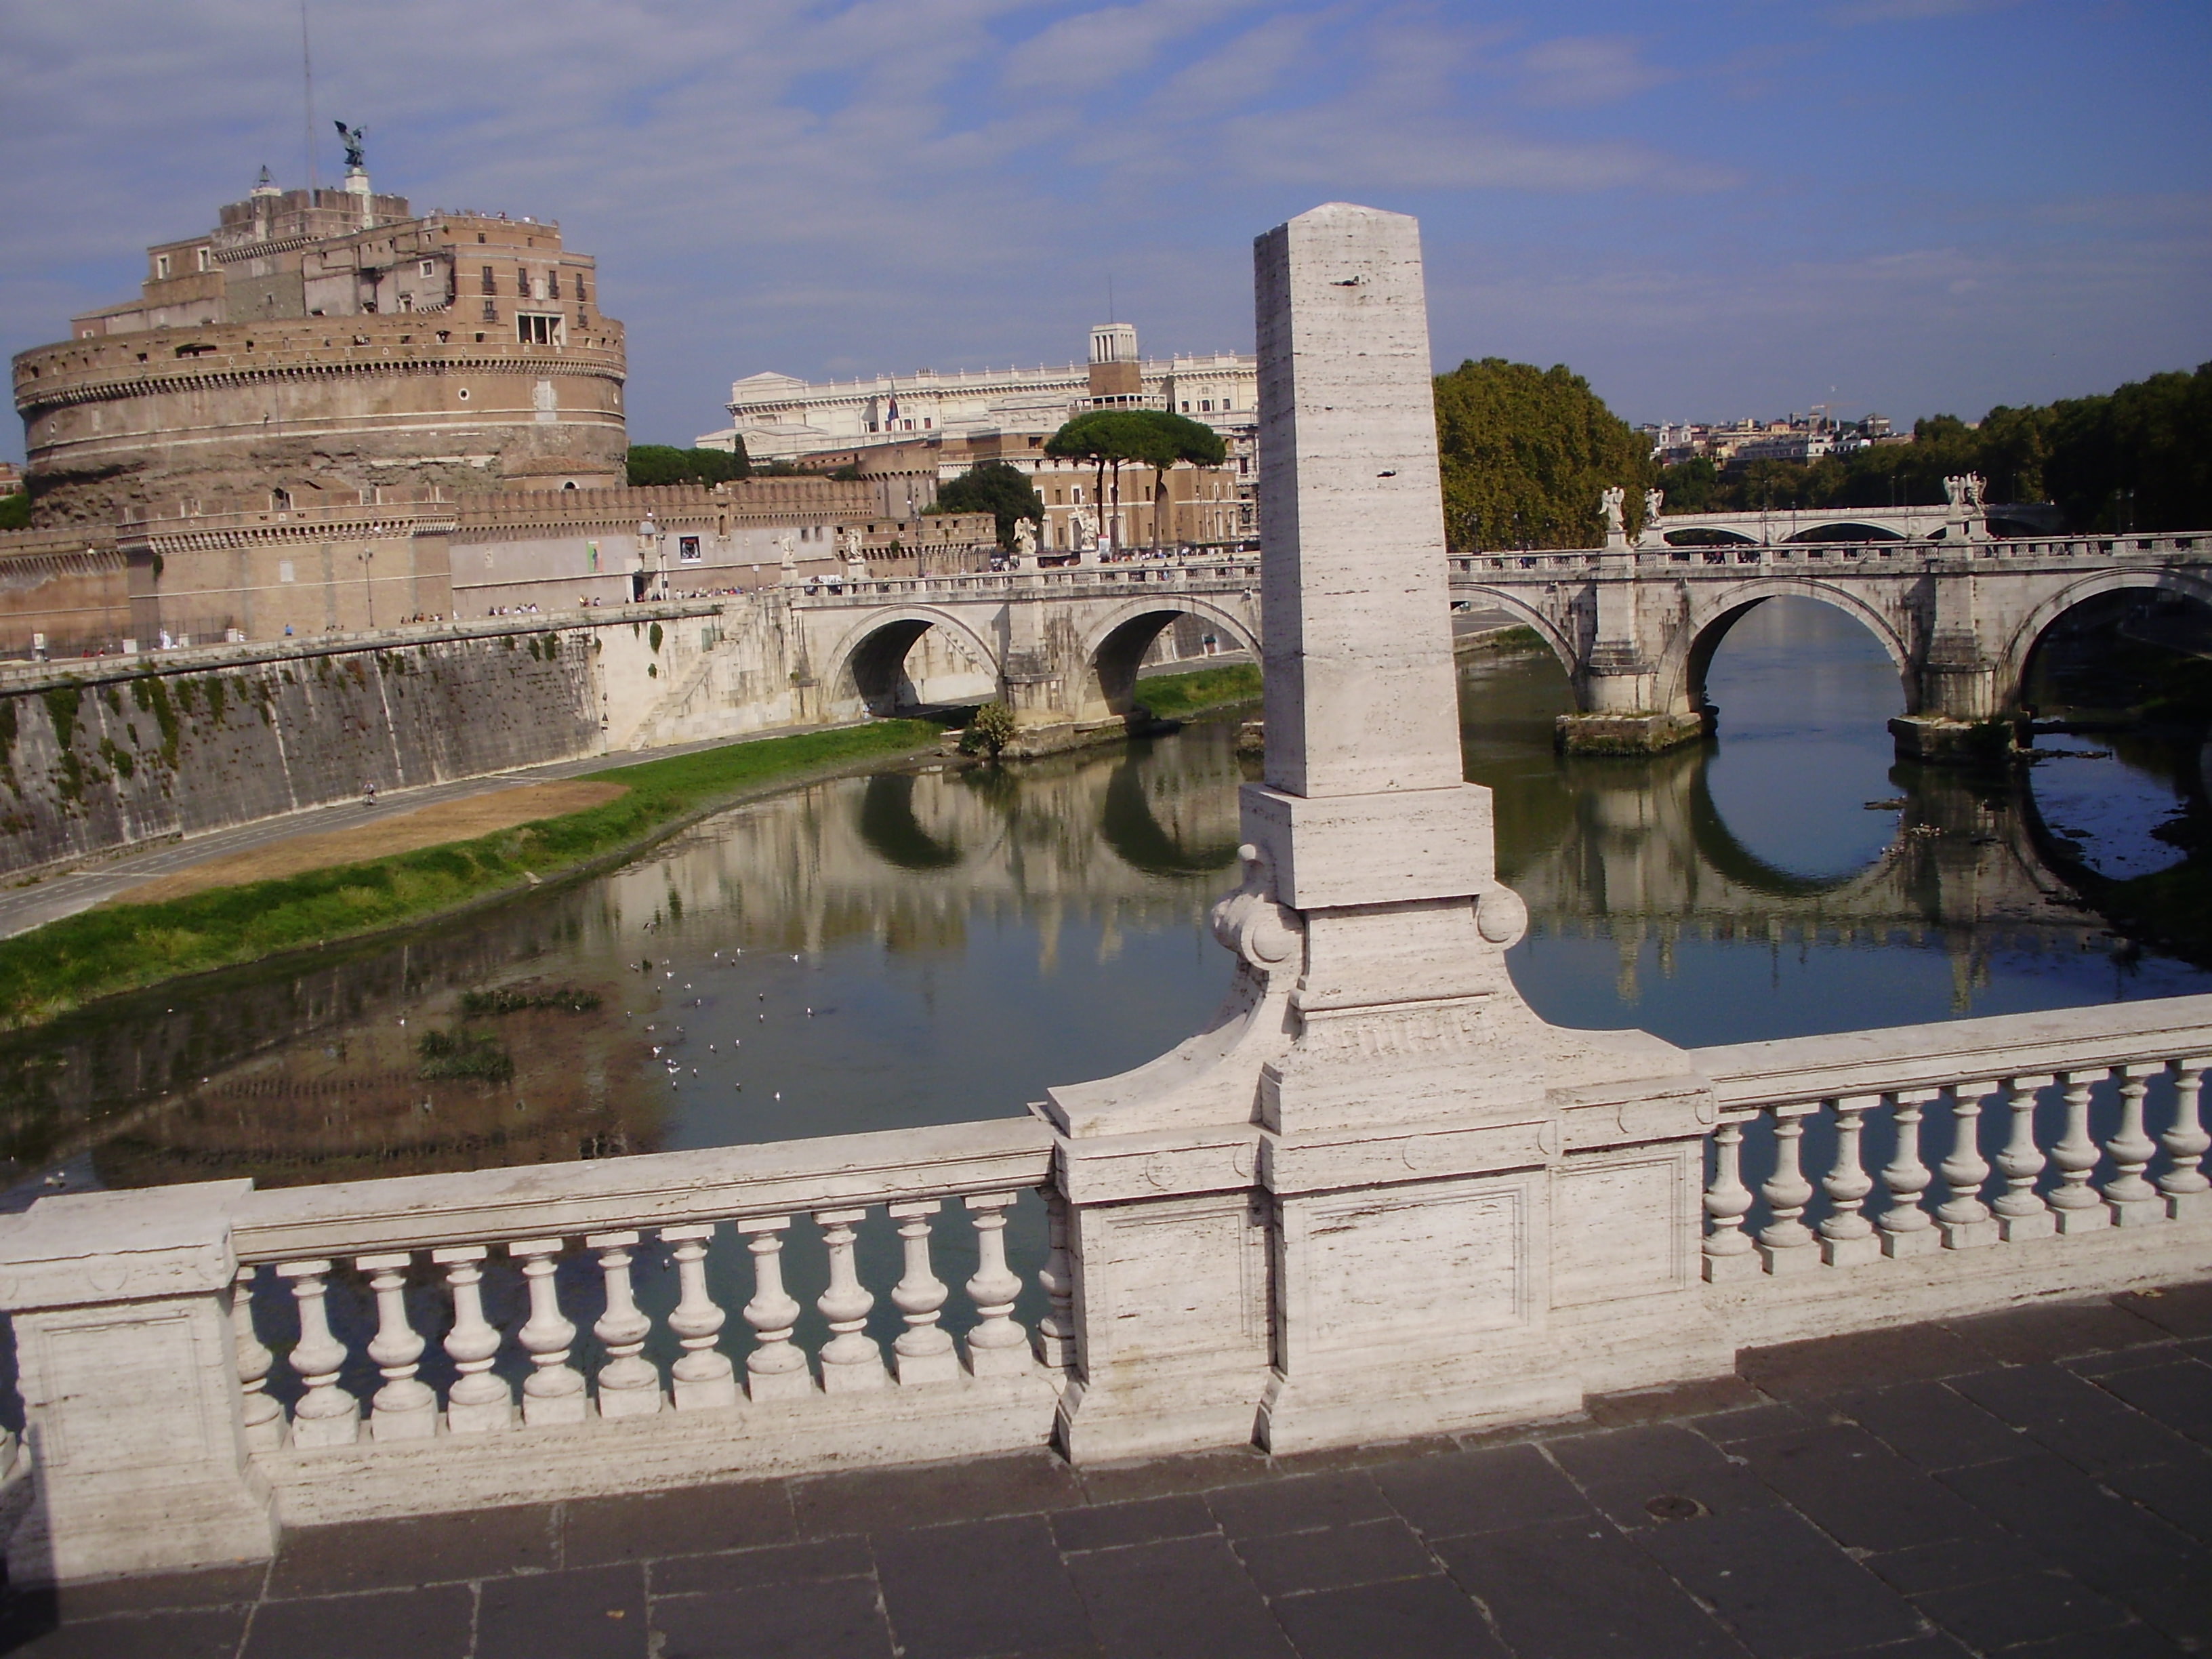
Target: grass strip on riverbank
{"points": [[123, 947], [1178, 697]]}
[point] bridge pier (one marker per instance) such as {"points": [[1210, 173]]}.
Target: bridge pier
{"points": [[1624, 710]]}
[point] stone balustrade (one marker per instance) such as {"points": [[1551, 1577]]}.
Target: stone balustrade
{"points": [[1816, 556], [1183, 574], [167, 1343], [2031, 1154]]}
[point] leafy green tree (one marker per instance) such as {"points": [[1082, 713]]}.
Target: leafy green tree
{"points": [[1526, 454], [1163, 440], [2138, 457], [665, 463], [1109, 439], [996, 488], [15, 510]]}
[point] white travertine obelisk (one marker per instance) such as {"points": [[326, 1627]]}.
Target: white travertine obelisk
{"points": [[1377, 1194]]}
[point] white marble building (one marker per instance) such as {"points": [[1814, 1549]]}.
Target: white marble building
{"points": [[781, 418]]}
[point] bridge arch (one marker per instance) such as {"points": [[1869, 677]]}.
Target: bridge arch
{"points": [[1683, 667], [1842, 530], [1115, 645], [1544, 627], [867, 665], [2019, 650]]}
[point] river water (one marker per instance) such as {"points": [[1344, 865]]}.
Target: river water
{"points": [[933, 944]]}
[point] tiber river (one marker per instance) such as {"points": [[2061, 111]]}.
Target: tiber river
{"points": [[931, 944]]}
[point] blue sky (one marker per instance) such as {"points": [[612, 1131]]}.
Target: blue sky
{"points": [[1711, 208]]}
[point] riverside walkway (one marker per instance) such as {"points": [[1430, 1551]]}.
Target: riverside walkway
{"points": [[2034, 1483]]}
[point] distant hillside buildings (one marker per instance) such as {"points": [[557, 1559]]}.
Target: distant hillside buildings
{"points": [[1737, 444]]}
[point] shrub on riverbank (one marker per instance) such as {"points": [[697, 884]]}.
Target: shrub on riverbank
{"points": [[1178, 697], [121, 947]]}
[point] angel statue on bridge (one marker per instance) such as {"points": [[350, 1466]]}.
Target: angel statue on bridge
{"points": [[1615, 502], [1965, 493], [1025, 544]]}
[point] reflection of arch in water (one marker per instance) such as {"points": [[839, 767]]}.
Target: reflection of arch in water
{"points": [[2019, 655], [1128, 825], [1727, 856], [1683, 668], [887, 825], [1115, 648], [867, 668]]}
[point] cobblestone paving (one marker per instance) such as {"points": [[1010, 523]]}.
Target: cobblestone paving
{"points": [[2031, 1483]]}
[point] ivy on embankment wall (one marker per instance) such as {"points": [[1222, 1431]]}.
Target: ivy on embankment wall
{"points": [[92, 761]]}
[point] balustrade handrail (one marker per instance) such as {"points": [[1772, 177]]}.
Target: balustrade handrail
{"points": [[1748, 1077], [651, 1189]]}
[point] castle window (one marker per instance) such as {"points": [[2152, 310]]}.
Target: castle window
{"points": [[553, 286], [522, 281], [491, 312], [480, 236], [427, 268], [160, 266], [280, 501], [532, 328], [581, 296], [687, 550], [206, 259], [489, 286]]}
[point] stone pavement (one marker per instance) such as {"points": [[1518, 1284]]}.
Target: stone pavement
{"points": [[2035, 1483]]}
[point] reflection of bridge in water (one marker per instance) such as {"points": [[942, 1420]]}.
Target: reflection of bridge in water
{"points": [[914, 859], [1645, 854]]}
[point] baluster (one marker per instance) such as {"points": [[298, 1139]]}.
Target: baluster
{"points": [[2131, 1199], [629, 1384], [850, 1362], [2078, 1209], [1785, 1243], [554, 1390], [924, 1349], [1847, 1238], [776, 1368], [702, 1377], [1965, 1219], [1055, 1331], [326, 1414], [2021, 1213], [2188, 1191], [478, 1403], [264, 1416], [404, 1409], [998, 1346], [1906, 1228]]}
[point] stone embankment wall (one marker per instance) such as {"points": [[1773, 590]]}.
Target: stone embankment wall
{"points": [[90, 761]]}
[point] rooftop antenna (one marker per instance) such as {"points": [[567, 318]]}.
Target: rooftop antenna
{"points": [[1110, 317], [307, 81]]}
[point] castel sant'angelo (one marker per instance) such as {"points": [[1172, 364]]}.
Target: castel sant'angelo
{"points": [[331, 413], [330, 340]]}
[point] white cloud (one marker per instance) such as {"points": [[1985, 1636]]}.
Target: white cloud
{"points": [[1577, 71], [1910, 11], [1095, 49]]}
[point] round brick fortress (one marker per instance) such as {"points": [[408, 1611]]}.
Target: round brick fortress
{"points": [[117, 423]]}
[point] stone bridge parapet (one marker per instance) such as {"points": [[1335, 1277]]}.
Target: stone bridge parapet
{"points": [[1636, 629]]}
